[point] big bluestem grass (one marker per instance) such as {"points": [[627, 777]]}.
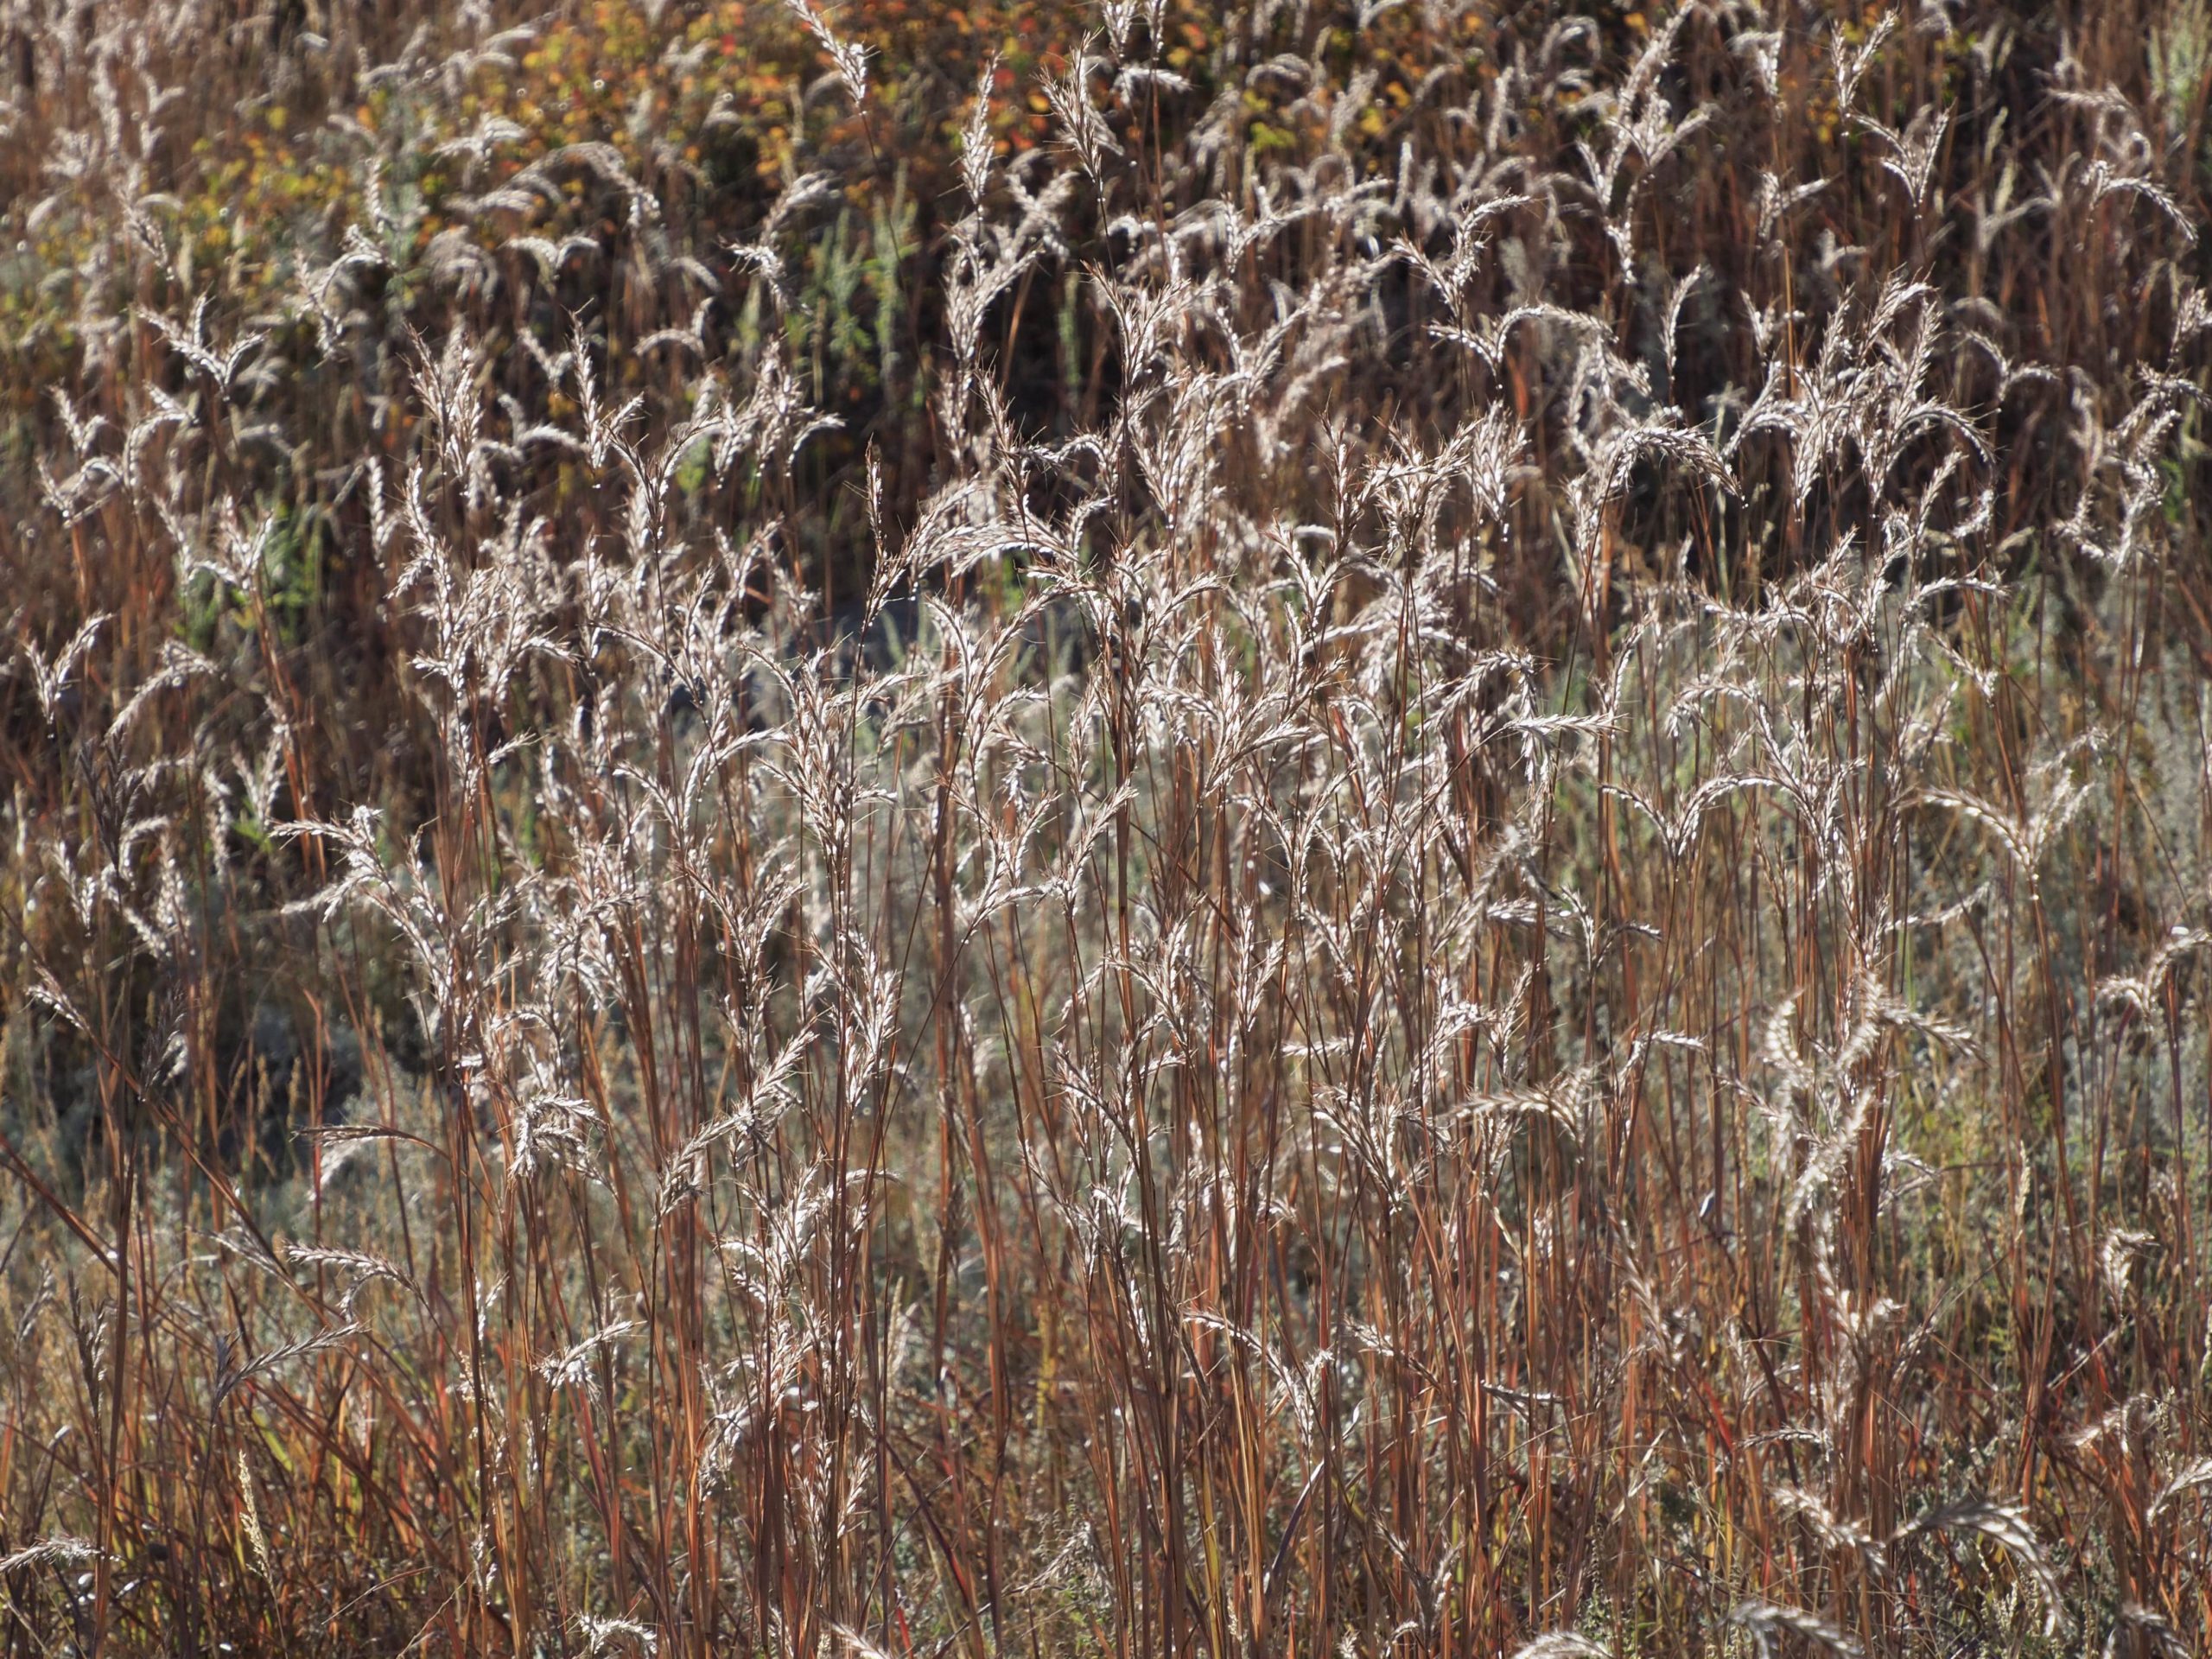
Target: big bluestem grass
{"points": [[1456, 905]]}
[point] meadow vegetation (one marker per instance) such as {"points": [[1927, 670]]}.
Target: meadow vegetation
{"points": [[1143, 829]]}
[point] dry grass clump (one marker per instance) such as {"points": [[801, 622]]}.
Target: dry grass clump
{"points": [[1444, 892]]}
